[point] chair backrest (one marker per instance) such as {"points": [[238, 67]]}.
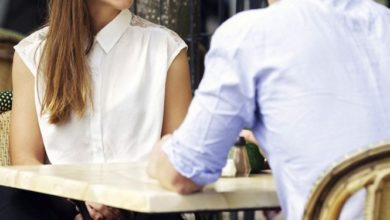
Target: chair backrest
{"points": [[5, 66], [4, 138], [5, 101], [370, 169], [378, 198], [8, 39]]}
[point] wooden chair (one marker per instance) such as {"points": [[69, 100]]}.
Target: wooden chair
{"points": [[4, 140], [370, 169], [8, 39]]}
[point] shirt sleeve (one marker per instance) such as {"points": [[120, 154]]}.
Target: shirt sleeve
{"points": [[30, 50], [223, 104], [175, 45]]}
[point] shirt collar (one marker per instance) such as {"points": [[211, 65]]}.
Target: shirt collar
{"points": [[110, 34]]}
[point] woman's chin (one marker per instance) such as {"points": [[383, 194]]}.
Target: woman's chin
{"points": [[124, 4]]}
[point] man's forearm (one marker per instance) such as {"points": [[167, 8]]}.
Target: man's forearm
{"points": [[162, 169]]}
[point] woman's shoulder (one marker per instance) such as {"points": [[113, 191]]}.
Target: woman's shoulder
{"points": [[155, 30], [35, 38], [29, 49]]}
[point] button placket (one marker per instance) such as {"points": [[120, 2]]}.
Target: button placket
{"points": [[96, 59]]}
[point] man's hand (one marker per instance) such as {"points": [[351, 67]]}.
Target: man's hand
{"points": [[160, 168]]}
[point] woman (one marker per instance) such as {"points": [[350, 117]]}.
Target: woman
{"points": [[98, 85]]}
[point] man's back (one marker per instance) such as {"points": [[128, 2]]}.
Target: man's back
{"points": [[311, 77], [323, 89]]}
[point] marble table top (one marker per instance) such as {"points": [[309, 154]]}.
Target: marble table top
{"points": [[128, 186]]}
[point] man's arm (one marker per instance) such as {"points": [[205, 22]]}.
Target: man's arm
{"points": [[161, 169], [224, 103]]}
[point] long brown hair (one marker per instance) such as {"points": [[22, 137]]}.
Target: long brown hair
{"points": [[64, 64]]}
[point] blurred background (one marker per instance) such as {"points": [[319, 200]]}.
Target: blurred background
{"points": [[194, 20]]}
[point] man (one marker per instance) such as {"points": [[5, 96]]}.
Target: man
{"points": [[312, 80]]}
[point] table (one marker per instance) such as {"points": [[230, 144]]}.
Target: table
{"points": [[128, 186]]}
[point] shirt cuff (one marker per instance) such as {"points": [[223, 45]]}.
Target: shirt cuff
{"points": [[182, 159]]}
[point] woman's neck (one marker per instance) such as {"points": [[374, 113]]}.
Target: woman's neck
{"points": [[101, 14]]}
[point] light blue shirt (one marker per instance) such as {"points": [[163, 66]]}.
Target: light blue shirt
{"points": [[310, 77]]}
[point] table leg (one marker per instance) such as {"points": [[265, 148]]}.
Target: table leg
{"points": [[83, 209], [249, 215], [233, 215], [208, 216]]}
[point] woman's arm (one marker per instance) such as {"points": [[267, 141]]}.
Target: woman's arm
{"points": [[26, 145], [177, 93]]}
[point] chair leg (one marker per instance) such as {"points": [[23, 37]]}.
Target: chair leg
{"points": [[249, 215], [83, 209]]}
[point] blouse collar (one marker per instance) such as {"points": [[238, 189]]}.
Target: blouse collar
{"points": [[110, 34]]}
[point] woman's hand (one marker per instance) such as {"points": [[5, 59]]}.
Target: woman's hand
{"points": [[155, 157], [101, 212]]}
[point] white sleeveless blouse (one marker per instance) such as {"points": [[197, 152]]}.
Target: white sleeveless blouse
{"points": [[129, 63]]}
